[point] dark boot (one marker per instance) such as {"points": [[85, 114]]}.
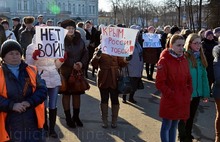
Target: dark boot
{"points": [[69, 121], [76, 117], [151, 72], [45, 123], [115, 109], [93, 72], [182, 131], [124, 99], [104, 113], [131, 98], [52, 119]]}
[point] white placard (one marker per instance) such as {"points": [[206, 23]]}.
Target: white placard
{"points": [[118, 41], [50, 41]]}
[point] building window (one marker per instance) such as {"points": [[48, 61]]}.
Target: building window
{"points": [[64, 7], [69, 7], [83, 9], [2, 3], [19, 4], [90, 9], [79, 9], [93, 10], [74, 9], [25, 5]]}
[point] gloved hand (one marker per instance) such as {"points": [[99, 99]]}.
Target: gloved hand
{"points": [[98, 54], [128, 58], [64, 57], [35, 54]]}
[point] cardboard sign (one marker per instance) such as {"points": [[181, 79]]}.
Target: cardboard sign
{"points": [[50, 41], [118, 41], [151, 40]]}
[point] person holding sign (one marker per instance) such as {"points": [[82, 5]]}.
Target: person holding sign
{"points": [[77, 59], [108, 72], [151, 52], [47, 68], [175, 83]]}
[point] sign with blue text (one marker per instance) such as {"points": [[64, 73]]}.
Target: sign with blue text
{"points": [[151, 40]]}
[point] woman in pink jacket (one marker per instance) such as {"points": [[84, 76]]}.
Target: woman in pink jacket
{"points": [[174, 81]]}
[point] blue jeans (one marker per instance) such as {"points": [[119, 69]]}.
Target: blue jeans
{"points": [[168, 130], [52, 97]]}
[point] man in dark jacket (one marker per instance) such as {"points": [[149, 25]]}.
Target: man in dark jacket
{"points": [[27, 34], [94, 37], [16, 26]]}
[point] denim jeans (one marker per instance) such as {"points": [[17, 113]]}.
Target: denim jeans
{"points": [[168, 130], [52, 97]]}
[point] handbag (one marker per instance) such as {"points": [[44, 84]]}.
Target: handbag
{"points": [[63, 86], [124, 82], [77, 82]]}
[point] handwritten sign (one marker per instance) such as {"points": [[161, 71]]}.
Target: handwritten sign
{"points": [[50, 41], [118, 41], [151, 40]]}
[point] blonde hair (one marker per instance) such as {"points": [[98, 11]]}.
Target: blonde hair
{"points": [[188, 50]]}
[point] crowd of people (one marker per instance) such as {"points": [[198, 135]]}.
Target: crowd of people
{"points": [[187, 71]]}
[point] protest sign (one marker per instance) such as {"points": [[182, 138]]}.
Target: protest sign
{"points": [[50, 41], [151, 40], [118, 41]]}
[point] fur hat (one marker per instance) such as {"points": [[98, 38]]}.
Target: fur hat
{"points": [[68, 22], [4, 22], [207, 33], [28, 20], [10, 45], [174, 29]]}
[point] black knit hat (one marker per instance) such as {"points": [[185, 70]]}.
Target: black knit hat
{"points": [[10, 45], [68, 22], [174, 29]]}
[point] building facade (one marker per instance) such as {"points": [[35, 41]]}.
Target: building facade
{"points": [[57, 10]]}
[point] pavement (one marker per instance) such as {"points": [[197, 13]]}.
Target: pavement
{"points": [[136, 122]]}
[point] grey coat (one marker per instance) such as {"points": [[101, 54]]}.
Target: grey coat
{"points": [[216, 67], [135, 65]]}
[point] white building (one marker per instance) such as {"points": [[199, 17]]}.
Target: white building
{"points": [[56, 10]]}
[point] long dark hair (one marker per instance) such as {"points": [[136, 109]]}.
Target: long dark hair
{"points": [[2, 35], [73, 39]]}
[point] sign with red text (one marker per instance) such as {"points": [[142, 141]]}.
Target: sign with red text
{"points": [[151, 40], [50, 41], [118, 41]]}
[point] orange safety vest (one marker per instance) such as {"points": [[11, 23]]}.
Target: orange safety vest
{"points": [[32, 72]]}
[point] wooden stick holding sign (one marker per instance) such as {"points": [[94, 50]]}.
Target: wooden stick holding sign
{"points": [[50, 41]]}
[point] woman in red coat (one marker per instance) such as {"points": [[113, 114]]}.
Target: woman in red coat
{"points": [[174, 81]]}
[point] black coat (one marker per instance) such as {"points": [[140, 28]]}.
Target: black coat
{"points": [[208, 46]]}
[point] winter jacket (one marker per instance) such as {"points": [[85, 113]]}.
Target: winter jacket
{"points": [[199, 80], [75, 53], [216, 66], [12, 92], [174, 81], [26, 38], [108, 69], [207, 46], [46, 67], [135, 65]]}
